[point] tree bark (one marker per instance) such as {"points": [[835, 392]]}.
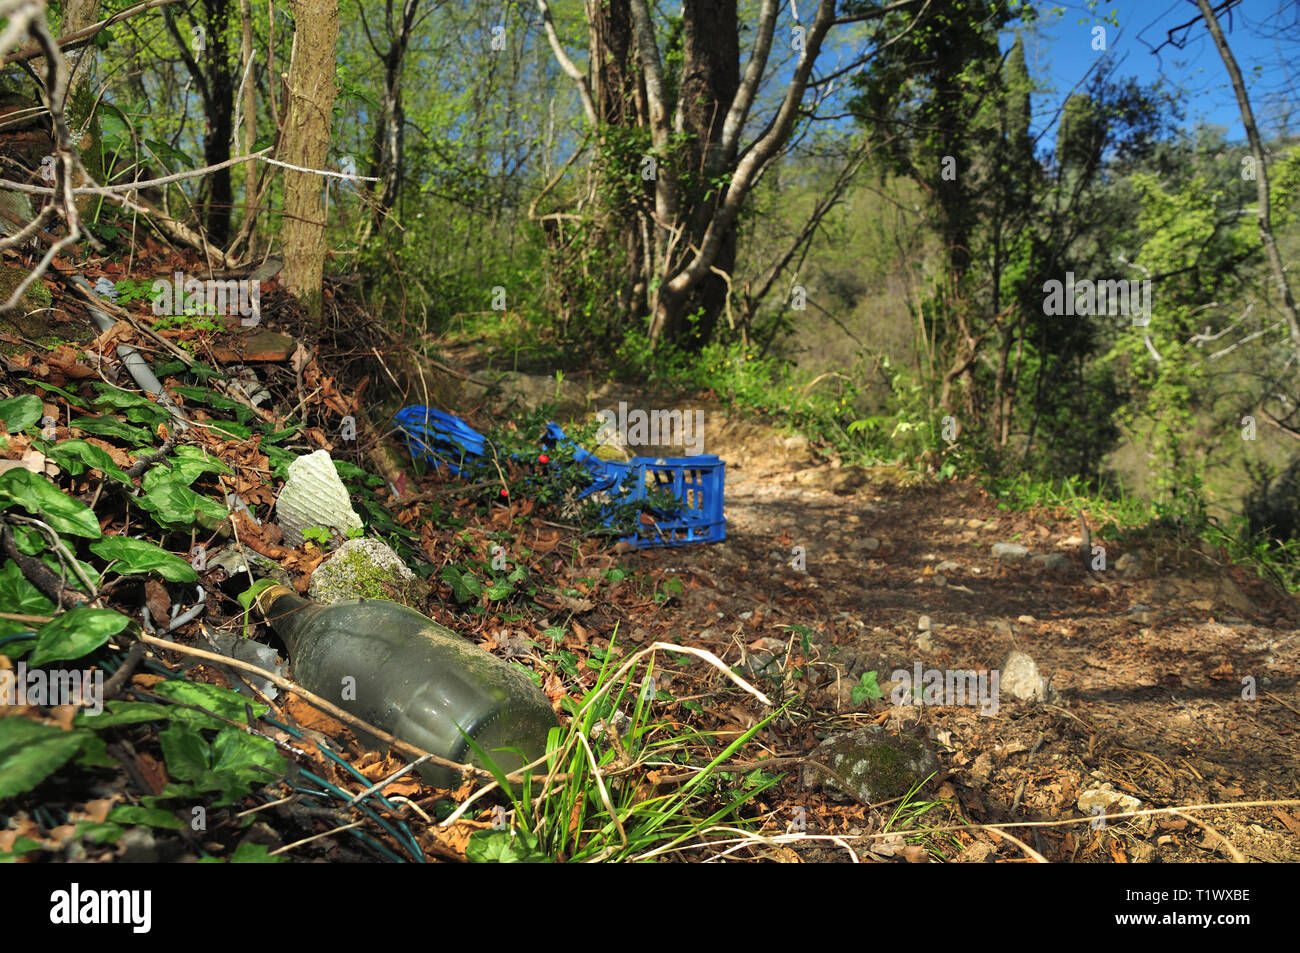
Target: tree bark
{"points": [[1261, 173], [306, 140]]}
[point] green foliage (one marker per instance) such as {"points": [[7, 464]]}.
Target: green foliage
{"points": [[36, 494], [75, 633], [591, 816], [139, 556], [19, 413], [866, 688]]}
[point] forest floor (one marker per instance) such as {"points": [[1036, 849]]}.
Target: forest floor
{"points": [[1171, 676], [1147, 665]]}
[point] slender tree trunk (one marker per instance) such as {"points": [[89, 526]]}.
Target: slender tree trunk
{"points": [[710, 78], [618, 95], [220, 110], [306, 140], [250, 106], [1261, 173]]}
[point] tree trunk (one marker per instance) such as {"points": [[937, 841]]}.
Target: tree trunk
{"points": [[306, 140], [710, 78], [1261, 174], [620, 103], [220, 110]]}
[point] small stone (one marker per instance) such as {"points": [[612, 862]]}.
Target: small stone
{"points": [[924, 642], [1106, 801], [923, 623], [1009, 551], [1128, 564], [977, 853], [946, 566], [1026, 619], [1140, 852], [868, 543], [1019, 677], [1054, 562]]}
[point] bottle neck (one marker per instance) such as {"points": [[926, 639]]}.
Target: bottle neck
{"points": [[286, 612]]}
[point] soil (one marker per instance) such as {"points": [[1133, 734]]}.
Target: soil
{"points": [[1172, 677]]}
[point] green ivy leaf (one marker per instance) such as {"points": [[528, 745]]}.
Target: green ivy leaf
{"points": [[19, 413], [137, 556], [185, 466], [70, 397], [22, 845], [101, 832], [75, 455], [245, 761], [174, 505], [19, 596], [30, 752], [250, 853], [112, 427], [866, 688], [464, 586], [137, 407], [212, 698], [187, 755], [75, 633], [36, 494], [122, 713], [148, 816], [504, 847]]}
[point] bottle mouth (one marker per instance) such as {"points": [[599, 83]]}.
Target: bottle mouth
{"points": [[266, 598]]}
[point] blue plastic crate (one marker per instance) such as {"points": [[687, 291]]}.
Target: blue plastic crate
{"points": [[697, 483], [440, 438]]}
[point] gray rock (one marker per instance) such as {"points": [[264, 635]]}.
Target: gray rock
{"points": [[977, 853], [1054, 562], [1009, 551], [365, 569], [868, 543], [1128, 564], [875, 764], [1019, 677], [925, 642], [924, 624], [946, 566]]}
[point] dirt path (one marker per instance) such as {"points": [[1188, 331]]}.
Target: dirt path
{"points": [[1145, 664], [1171, 678]]}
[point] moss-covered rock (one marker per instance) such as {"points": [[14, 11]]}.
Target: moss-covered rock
{"points": [[366, 569], [875, 764]]}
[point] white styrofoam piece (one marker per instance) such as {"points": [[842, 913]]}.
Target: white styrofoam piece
{"points": [[313, 495]]}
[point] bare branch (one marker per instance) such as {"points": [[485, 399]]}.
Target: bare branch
{"points": [[566, 64], [81, 37]]}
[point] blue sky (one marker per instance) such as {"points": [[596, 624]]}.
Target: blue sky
{"points": [[1264, 36]]}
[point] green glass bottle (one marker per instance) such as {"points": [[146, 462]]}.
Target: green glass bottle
{"points": [[403, 672]]}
